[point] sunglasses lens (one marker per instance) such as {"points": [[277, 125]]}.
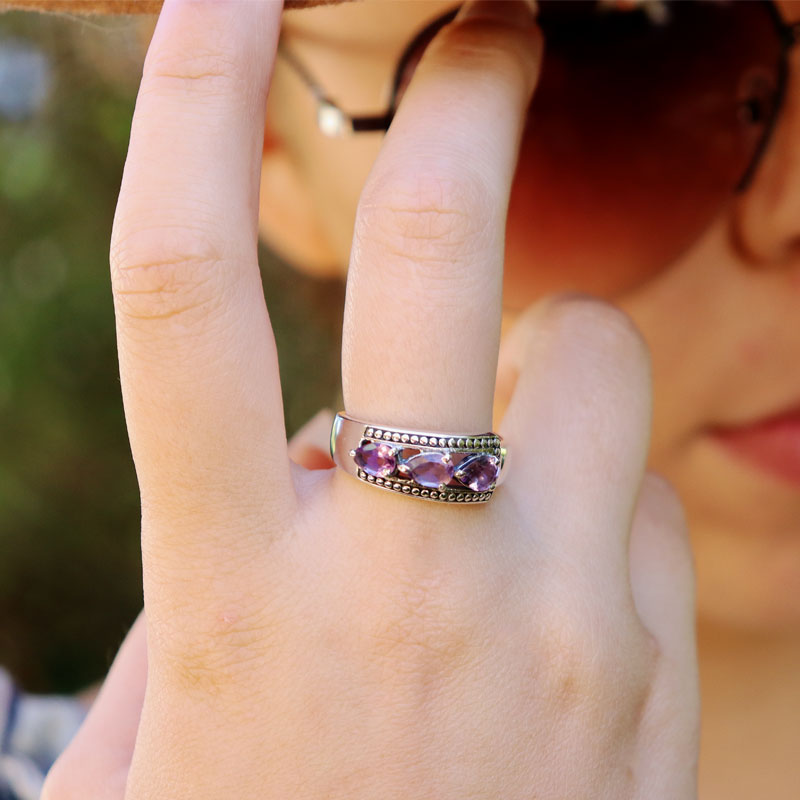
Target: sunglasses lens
{"points": [[645, 121]]}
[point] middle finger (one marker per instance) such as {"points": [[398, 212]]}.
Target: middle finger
{"points": [[422, 318]]}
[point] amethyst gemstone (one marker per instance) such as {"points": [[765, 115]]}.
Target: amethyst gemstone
{"points": [[431, 470], [376, 459], [478, 472]]}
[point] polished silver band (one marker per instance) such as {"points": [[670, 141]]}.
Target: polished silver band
{"points": [[443, 467]]}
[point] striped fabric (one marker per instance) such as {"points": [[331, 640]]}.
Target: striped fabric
{"points": [[34, 729]]}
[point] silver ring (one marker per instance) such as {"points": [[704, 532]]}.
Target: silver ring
{"points": [[443, 467]]}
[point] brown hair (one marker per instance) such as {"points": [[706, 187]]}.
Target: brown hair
{"points": [[118, 6]]}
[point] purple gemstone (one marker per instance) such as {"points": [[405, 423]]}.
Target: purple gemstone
{"points": [[478, 472], [376, 459], [431, 470]]}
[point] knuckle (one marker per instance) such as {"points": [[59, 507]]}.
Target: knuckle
{"points": [[570, 659], [201, 671], [207, 658], [599, 326], [425, 629], [212, 69], [588, 665], [425, 222], [605, 343], [166, 273], [648, 649]]}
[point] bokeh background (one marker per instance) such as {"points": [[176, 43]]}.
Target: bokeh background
{"points": [[70, 576]]}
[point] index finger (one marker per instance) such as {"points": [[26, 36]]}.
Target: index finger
{"points": [[197, 357]]}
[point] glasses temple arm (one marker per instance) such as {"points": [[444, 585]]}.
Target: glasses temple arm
{"points": [[332, 120]]}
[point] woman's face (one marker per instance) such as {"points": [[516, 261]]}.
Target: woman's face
{"points": [[722, 319]]}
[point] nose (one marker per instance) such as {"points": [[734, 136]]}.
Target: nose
{"points": [[766, 218]]}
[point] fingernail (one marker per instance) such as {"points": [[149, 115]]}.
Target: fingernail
{"points": [[515, 12]]}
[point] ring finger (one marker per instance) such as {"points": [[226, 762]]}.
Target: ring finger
{"points": [[422, 317]]}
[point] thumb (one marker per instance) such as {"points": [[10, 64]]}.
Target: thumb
{"points": [[97, 760]]}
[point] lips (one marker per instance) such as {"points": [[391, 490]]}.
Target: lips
{"points": [[771, 444]]}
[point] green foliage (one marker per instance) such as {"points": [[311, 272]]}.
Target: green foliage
{"points": [[70, 580]]}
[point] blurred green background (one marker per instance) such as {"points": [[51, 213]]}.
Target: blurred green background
{"points": [[70, 580]]}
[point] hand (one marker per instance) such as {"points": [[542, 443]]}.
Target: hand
{"points": [[312, 637], [96, 762]]}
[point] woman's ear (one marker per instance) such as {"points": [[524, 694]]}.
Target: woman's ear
{"points": [[288, 221]]}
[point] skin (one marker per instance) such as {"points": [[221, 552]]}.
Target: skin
{"points": [[738, 363], [718, 366]]}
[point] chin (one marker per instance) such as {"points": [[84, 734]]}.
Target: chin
{"points": [[759, 611], [745, 534], [747, 579]]}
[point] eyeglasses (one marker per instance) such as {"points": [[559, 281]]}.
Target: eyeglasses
{"points": [[647, 118]]}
